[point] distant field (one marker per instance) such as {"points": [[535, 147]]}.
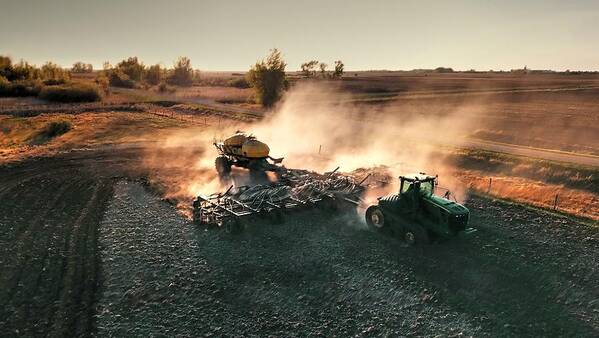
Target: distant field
{"points": [[553, 111]]}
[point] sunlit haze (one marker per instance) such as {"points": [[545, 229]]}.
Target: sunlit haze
{"points": [[231, 35]]}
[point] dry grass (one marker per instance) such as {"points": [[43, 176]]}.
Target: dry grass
{"points": [[87, 130], [572, 201], [216, 93], [528, 180]]}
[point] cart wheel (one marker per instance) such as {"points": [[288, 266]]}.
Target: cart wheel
{"points": [[223, 167], [375, 217]]}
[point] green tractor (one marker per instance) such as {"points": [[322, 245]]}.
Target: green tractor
{"points": [[416, 214]]}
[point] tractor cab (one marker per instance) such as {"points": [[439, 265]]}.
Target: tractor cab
{"points": [[417, 184]]}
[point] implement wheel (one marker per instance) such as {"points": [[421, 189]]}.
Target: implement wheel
{"points": [[375, 218]]}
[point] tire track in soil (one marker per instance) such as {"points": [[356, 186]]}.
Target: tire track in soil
{"points": [[78, 271], [319, 275], [25, 243], [164, 276], [36, 276], [312, 275], [27, 299]]}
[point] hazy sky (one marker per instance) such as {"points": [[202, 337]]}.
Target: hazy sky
{"points": [[232, 35]]}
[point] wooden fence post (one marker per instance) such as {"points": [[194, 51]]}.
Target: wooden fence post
{"points": [[490, 182]]}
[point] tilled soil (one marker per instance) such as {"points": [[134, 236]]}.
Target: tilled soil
{"points": [[524, 273], [163, 275], [83, 251]]}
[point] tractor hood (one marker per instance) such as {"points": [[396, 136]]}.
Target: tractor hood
{"points": [[452, 208]]}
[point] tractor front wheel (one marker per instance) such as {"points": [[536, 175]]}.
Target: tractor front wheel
{"points": [[375, 217]]}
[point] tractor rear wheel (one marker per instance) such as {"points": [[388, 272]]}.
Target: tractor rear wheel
{"points": [[375, 217]]}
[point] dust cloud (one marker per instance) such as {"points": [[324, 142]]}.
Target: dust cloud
{"points": [[319, 128], [315, 127]]}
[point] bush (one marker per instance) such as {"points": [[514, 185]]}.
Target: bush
{"points": [[54, 74], [338, 72], [24, 71], [164, 88], [5, 66], [20, 88], [118, 78], [54, 82], [268, 78], [3, 82], [132, 68], [102, 81], [182, 73], [56, 128], [72, 93], [443, 70], [239, 83], [153, 74], [80, 67]]}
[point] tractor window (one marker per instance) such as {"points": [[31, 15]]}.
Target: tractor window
{"points": [[406, 187], [426, 188]]}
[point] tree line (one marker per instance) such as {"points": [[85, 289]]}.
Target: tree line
{"points": [[267, 76], [313, 68]]}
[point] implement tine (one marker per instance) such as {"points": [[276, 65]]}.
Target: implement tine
{"points": [[365, 178]]}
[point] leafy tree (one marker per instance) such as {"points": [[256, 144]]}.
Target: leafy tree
{"points": [[24, 71], [323, 69], [54, 74], [196, 76], [309, 68], [80, 67], [338, 69], [447, 70], [117, 78], [5, 66], [268, 78], [132, 68], [102, 81], [153, 74], [182, 73]]}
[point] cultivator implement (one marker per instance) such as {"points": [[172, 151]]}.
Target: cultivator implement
{"points": [[295, 190]]}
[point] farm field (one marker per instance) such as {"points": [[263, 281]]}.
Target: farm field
{"points": [[111, 258], [95, 242], [548, 111], [299, 168]]}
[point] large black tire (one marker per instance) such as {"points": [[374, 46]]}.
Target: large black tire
{"points": [[223, 167], [416, 235], [375, 218]]}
